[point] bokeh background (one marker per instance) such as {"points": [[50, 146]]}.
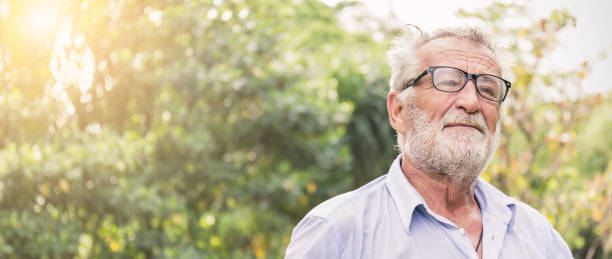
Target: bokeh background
{"points": [[207, 129]]}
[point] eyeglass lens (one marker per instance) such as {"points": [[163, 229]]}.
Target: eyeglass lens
{"points": [[451, 79]]}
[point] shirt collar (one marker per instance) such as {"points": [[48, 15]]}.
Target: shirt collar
{"points": [[495, 202], [407, 199]]}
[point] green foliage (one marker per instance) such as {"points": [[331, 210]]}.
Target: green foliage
{"points": [[207, 129]]}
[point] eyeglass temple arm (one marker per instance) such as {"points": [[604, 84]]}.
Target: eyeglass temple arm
{"points": [[414, 80]]}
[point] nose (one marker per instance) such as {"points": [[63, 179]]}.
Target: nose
{"points": [[467, 98]]}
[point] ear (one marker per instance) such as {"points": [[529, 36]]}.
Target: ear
{"points": [[395, 108]]}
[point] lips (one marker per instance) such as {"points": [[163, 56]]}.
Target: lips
{"points": [[462, 124]]}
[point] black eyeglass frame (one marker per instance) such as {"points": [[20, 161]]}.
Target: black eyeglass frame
{"points": [[468, 76]]}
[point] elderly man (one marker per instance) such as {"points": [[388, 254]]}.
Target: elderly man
{"points": [[447, 89]]}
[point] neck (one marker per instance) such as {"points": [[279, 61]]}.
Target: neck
{"points": [[445, 195]]}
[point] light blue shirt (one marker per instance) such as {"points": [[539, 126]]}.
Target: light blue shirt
{"points": [[388, 218]]}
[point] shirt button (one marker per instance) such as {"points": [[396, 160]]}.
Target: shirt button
{"points": [[462, 231]]}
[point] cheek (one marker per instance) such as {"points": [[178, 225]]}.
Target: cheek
{"points": [[491, 115], [434, 104]]}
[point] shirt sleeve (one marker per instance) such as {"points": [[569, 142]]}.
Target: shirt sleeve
{"points": [[558, 247], [314, 237]]}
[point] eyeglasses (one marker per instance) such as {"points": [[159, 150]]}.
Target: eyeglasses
{"points": [[451, 80]]}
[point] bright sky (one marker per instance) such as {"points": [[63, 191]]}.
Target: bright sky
{"points": [[591, 36]]}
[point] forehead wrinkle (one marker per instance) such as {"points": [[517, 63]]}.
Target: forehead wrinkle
{"points": [[487, 64], [481, 56], [481, 63]]}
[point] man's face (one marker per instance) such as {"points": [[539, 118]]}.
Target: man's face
{"points": [[452, 133]]}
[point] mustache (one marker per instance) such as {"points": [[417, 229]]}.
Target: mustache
{"points": [[457, 117]]}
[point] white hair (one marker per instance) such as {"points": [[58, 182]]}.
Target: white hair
{"points": [[404, 61]]}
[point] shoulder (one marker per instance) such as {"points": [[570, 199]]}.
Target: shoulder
{"points": [[520, 211], [529, 224], [323, 231], [314, 237], [349, 204], [523, 215], [529, 221]]}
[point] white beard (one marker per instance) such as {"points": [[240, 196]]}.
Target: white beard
{"points": [[458, 152]]}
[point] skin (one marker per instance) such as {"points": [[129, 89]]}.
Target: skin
{"points": [[447, 197]]}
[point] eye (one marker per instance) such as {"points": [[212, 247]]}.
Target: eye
{"points": [[449, 82], [487, 91], [448, 78], [489, 86]]}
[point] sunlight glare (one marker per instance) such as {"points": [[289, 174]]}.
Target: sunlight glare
{"points": [[5, 9], [42, 20]]}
